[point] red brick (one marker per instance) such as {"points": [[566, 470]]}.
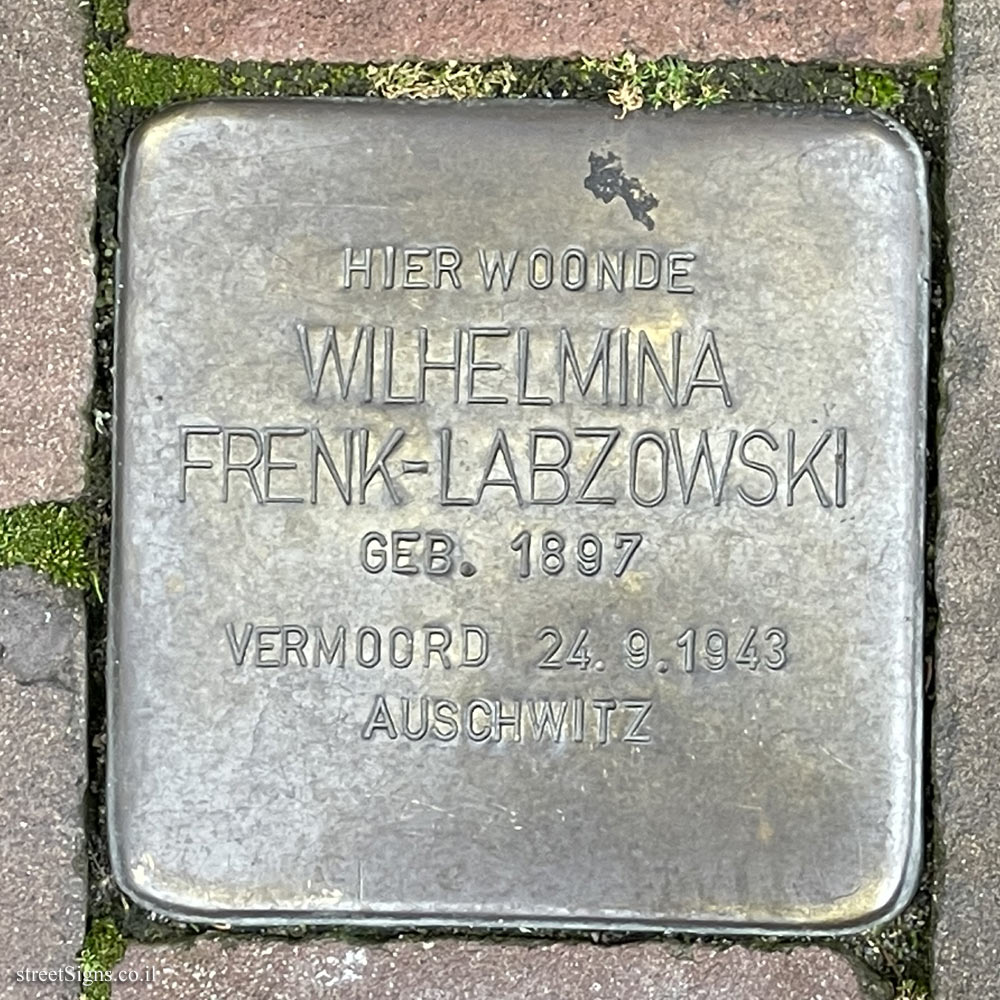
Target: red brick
{"points": [[449, 969], [887, 31], [43, 734], [46, 260]]}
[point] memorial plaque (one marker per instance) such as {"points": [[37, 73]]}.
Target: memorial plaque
{"points": [[518, 516]]}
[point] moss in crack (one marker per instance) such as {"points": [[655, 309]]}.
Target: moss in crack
{"points": [[109, 17], [774, 81], [51, 537], [876, 89], [119, 77], [123, 76], [451, 79], [632, 83], [628, 81], [103, 948]]}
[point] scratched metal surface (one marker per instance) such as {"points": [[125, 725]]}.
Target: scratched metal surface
{"points": [[734, 739]]}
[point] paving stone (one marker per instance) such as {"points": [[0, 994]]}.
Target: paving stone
{"points": [[966, 734], [43, 763], [46, 261], [885, 31], [448, 969]]}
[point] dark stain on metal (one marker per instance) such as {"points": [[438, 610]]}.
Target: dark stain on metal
{"points": [[607, 181]]}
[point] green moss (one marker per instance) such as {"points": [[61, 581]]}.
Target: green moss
{"points": [[929, 80], [122, 77], [301, 79], [929, 77], [450, 79], [632, 82], [909, 990], [53, 538], [876, 89], [103, 948], [109, 16], [125, 77]]}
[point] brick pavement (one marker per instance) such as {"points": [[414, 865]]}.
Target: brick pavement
{"points": [[46, 262], [42, 783], [881, 31]]}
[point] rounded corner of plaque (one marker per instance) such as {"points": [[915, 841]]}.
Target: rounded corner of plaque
{"points": [[136, 875], [883, 900], [898, 139], [148, 137], [134, 878]]}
